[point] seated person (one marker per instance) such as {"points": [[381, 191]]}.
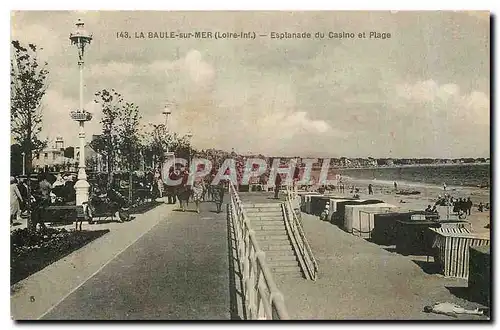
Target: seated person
{"points": [[480, 208]]}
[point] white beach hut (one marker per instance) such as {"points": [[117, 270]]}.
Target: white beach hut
{"points": [[307, 202], [362, 225], [333, 205]]}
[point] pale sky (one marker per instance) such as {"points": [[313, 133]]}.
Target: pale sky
{"points": [[422, 93]]}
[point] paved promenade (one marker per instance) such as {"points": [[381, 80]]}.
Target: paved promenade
{"points": [[163, 265]]}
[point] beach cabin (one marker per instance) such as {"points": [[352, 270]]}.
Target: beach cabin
{"points": [[307, 202], [302, 196], [358, 219], [333, 205], [414, 237], [479, 282], [318, 204], [452, 250], [339, 215], [384, 230], [446, 213]]}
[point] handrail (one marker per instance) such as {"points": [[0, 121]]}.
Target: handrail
{"points": [[299, 236], [263, 300]]}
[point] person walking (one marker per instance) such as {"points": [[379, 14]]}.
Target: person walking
{"points": [[15, 201], [170, 186], [370, 189], [197, 194], [218, 195], [23, 189], [296, 177], [277, 185], [183, 191]]}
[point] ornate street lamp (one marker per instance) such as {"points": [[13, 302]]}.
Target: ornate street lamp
{"points": [[167, 112], [81, 39]]}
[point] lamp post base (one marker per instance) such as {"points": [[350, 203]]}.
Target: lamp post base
{"points": [[82, 191]]}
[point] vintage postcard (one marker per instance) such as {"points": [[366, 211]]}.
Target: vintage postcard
{"points": [[241, 165]]}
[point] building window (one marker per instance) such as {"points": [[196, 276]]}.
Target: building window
{"points": [[37, 156], [46, 155], [54, 156]]}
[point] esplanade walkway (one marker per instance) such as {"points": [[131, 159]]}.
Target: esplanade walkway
{"points": [[191, 266]]}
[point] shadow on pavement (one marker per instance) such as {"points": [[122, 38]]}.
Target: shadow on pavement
{"points": [[466, 294], [140, 209], [187, 210], [429, 267], [390, 249]]}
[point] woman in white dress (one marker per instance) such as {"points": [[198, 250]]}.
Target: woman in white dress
{"points": [[15, 200], [159, 182], [197, 189]]}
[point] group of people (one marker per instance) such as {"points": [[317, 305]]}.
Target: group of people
{"points": [[45, 190], [198, 191], [460, 205]]}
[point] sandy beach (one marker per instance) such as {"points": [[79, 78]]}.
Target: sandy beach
{"points": [[384, 191], [360, 280]]}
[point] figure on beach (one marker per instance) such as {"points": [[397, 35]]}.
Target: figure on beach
{"points": [[480, 207], [395, 186], [450, 309], [370, 189], [468, 205], [341, 185], [444, 186]]}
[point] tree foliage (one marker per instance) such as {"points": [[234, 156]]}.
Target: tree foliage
{"points": [[111, 103], [160, 140], [128, 137], [28, 85]]}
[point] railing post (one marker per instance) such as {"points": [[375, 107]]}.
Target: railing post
{"points": [[251, 276], [277, 300], [246, 270], [261, 313]]}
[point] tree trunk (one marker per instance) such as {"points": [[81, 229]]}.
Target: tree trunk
{"points": [[29, 162], [130, 186]]}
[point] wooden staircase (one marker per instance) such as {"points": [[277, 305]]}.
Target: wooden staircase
{"points": [[268, 222]]}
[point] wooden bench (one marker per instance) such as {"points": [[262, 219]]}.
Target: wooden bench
{"points": [[65, 214]]}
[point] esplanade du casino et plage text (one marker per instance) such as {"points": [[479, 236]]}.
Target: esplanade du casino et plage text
{"points": [[283, 35]]}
